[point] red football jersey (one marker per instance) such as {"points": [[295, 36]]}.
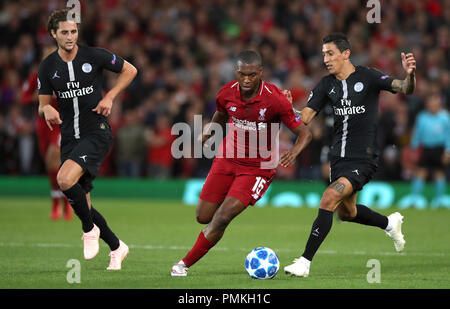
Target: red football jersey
{"points": [[28, 95], [45, 136], [253, 126]]}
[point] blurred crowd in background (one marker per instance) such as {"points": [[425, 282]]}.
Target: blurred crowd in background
{"points": [[185, 51]]}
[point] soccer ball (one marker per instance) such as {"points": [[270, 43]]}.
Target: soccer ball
{"points": [[262, 263]]}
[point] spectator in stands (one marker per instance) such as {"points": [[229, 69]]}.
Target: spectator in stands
{"points": [[130, 145], [184, 49], [159, 158]]}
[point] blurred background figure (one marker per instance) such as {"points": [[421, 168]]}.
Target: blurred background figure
{"points": [[159, 158], [49, 142], [432, 134], [130, 145]]}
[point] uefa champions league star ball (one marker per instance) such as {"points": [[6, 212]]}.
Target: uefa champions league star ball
{"points": [[262, 263]]}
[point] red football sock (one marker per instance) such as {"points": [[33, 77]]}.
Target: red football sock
{"points": [[53, 182], [54, 188], [201, 247]]}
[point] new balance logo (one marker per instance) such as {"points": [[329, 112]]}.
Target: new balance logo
{"points": [[84, 158], [356, 171], [56, 75]]}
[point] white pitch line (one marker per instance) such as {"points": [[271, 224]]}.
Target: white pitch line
{"points": [[153, 247]]}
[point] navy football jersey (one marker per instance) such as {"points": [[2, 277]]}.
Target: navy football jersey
{"points": [[355, 108], [78, 87]]}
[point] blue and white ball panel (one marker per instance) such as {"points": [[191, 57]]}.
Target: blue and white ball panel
{"points": [[262, 263]]}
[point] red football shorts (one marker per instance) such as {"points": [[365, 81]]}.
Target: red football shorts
{"points": [[47, 137], [247, 184]]}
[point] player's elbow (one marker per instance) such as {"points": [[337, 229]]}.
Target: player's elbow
{"points": [[133, 71], [130, 70]]}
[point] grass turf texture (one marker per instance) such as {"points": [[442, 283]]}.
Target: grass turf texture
{"points": [[34, 250]]}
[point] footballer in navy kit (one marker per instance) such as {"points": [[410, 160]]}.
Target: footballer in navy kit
{"points": [[73, 73], [353, 93]]}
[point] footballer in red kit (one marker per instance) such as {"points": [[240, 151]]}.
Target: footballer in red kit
{"points": [[252, 110], [235, 172], [49, 147]]}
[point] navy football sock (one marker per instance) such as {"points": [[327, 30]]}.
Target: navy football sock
{"points": [[366, 216], [77, 198], [320, 228], [105, 232]]}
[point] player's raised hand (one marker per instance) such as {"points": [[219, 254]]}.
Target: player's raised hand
{"points": [[104, 107], [51, 116], [288, 95], [408, 63]]}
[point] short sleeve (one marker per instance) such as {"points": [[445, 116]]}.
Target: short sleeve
{"points": [[318, 97], [109, 61], [288, 115], [381, 80], [43, 81]]}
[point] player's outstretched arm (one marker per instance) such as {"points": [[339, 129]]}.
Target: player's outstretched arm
{"points": [[407, 85], [307, 113], [218, 117], [127, 74], [304, 138], [47, 111]]}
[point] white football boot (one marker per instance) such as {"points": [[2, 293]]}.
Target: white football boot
{"points": [[117, 256], [179, 269], [90, 241], [299, 268], [394, 230]]}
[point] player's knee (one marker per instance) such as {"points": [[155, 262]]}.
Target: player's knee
{"points": [[64, 182], [202, 219], [329, 200]]}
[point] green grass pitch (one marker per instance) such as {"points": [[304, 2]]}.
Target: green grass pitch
{"points": [[34, 250]]}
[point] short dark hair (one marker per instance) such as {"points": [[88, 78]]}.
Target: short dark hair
{"points": [[339, 39], [56, 17], [249, 57]]}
